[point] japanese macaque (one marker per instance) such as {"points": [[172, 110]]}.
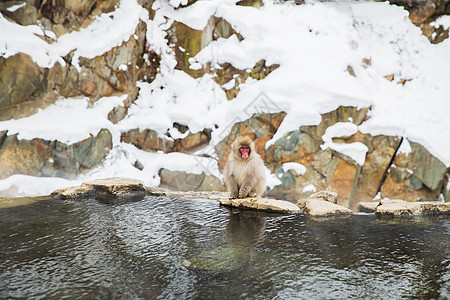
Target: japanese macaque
{"points": [[244, 172]]}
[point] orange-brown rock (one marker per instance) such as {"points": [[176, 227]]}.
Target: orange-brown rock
{"points": [[378, 160], [342, 180], [325, 169], [415, 176]]}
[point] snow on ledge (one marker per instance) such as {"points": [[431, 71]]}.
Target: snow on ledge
{"points": [[405, 147], [298, 168], [357, 151], [309, 188], [67, 120], [109, 30]]}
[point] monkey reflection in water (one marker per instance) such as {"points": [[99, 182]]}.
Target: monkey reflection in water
{"points": [[246, 228], [244, 172], [244, 177]]}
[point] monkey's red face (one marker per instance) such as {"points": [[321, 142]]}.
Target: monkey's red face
{"points": [[245, 151]]}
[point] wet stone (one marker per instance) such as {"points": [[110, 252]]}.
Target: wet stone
{"points": [[396, 207], [263, 204], [106, 186], [319, 207], [367, 207], [223, 258]]}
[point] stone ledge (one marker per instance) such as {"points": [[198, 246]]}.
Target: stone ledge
{"points": [[319, 207], [318, 204], [398, 207], [322, 203], [262, 204], [115, 186], [71, 192], [191, 195], [107, 186], [367, 207], [403, 208]]}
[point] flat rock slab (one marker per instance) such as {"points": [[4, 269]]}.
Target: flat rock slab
{"points": [[71, 192], [115, 186], [107, 186], [403, 208], [320, 207], [367, 207], [191, 195], [263, 204], [325, 196]]}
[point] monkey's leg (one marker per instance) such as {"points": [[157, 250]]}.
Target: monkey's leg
{"points": [[247, 188], [233, 187]]}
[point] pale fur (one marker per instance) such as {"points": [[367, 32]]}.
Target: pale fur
{"points": [[244, 177]]}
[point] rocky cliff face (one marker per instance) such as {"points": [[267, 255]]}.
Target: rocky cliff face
{"points": [[387, 171], [25, 87], [51, 158]]}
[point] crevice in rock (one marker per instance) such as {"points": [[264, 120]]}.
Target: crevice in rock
{"points": [[3, 135], [386, 172], [355, 186]]}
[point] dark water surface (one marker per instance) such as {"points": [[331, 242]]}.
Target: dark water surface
{"points": [[158, 248]]}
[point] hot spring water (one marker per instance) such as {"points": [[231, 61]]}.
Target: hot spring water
{"points": [[178, 249]]}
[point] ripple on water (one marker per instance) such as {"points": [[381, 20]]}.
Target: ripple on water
{"points": [[135, 249]]}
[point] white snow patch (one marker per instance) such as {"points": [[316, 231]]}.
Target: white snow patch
{"points": [[195, 66], [176, 3], [68, 121], [176, 134], [271, 179], [107, 31], [298, 168], [120, 161], [442, 20], [309, 188], [13, 8], [230, 84], [357, 151], [35, 186], [405, 147]]}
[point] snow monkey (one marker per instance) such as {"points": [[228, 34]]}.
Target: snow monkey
{"points": [[244, 172]]}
